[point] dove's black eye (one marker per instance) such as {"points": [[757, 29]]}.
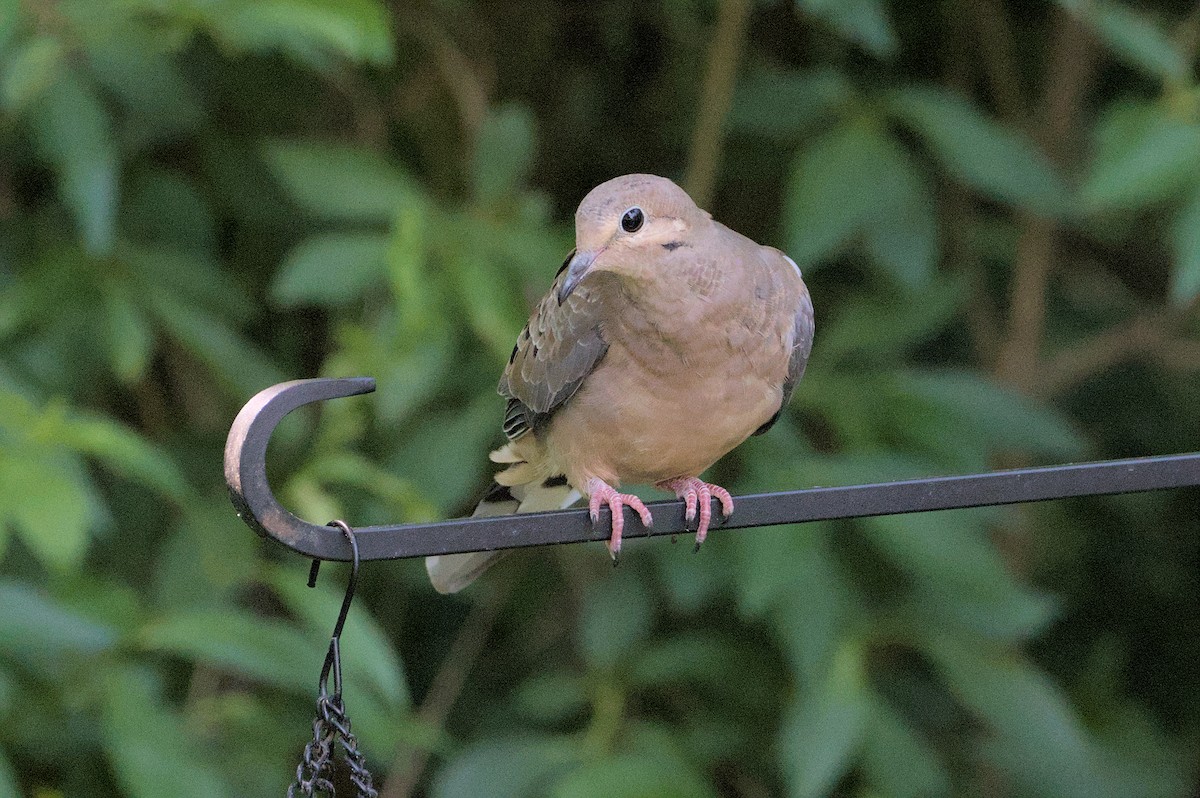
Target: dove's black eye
{"points": [[632, 220]]}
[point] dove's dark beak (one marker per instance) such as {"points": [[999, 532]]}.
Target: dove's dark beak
{"points": [[577, 267]]}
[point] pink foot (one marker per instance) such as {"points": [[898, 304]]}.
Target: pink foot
{"points": [[695, 492], [600, 492]]}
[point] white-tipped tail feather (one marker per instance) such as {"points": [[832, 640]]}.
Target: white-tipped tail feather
{"points": [[450, 573]]}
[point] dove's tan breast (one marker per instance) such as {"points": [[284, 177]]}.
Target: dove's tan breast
{"points": [[682, 383]]}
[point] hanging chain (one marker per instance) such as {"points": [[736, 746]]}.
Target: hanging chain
{"points": [[331, 726]]}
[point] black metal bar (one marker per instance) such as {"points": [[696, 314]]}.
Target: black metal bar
{"points": [[245, 471]]}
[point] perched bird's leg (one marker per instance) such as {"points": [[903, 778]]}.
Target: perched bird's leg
{"points": [[600, 492], [695, 492]]}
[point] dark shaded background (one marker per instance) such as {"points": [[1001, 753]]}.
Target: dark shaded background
{"points": [[996, 206]]}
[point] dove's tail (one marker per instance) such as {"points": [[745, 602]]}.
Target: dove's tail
{"points": [[450, 573]]}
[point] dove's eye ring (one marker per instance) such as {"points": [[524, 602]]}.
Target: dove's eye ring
{"points": [[632, 219]]}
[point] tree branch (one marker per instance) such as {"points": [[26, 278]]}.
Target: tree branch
{"points": [[716, 96]]}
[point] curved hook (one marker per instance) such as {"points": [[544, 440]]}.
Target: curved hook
{"points": [[246, 464]]}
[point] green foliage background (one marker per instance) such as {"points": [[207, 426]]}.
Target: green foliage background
{"points": [[997, 207]]}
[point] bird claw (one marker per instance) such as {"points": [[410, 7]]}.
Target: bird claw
{"points": [[697, 496], [600, 493]]}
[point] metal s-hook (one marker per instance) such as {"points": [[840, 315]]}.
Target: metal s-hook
{"points": [[332, 724], [333, 658]]}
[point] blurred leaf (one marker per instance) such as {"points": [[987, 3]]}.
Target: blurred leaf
{"points": [[127, 453], [34, 625], [441, 455], [503, 153], [511, 768], [1133, 36], [854, 331], [310, 30], [995, 160], [74, 133], [640, 774], [551, 697], [1044, 745], [30, 70], [996, 416], [864, 22], [896, 761], [48, 499], [787, 104], [262, 649], [1141, 157], [826, 727], [165, 209], [9, 788], [10, 15], [854, 179], [331, 269], [136, 67], [149, 747], [616, 620], [130, 339], [960, 575], [1185, 276], [338, 182], [239, 364], [375, 661]]}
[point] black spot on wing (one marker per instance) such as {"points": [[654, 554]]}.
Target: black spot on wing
{"points": [[555, 482]]}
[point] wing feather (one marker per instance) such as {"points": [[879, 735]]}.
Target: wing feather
{"points": [[560, 346]]}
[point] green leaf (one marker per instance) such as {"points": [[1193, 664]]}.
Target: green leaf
{"points": [[1185, 276], [855, 179], [243, 367], [137, 67], [959, 574], [50, 500], [331, 269], [504, 152], [151, 751], [514, 767], [309, 30], [854, 331], [1039, 740], [993, 159], [637, 774], [786, 104], [35, 626], [10, 15], [30, 71], [897, 761], [74, 133], [339, 183], [616, 620], [128, 453], [130, 340], [863, 22], [1142, 156], [996, 416], [8, 777], [826, 727], [551, 698], [375, 662], [268, 651], [1133, 37]]}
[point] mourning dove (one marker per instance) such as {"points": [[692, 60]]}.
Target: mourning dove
{"points": [[665, 341]]}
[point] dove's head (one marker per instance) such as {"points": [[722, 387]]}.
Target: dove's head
{"points": [[625, 225]]}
